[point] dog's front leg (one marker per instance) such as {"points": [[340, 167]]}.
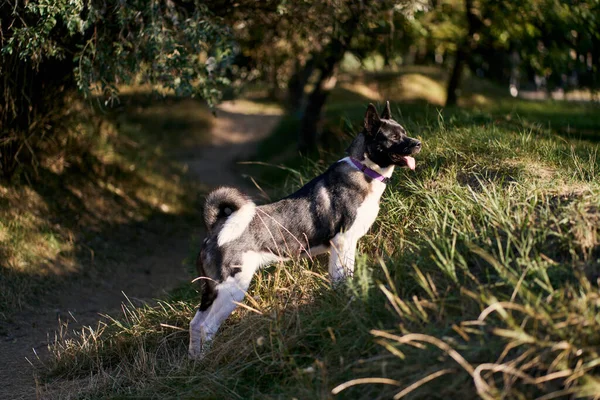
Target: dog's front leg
{"points": [[341, 260]]}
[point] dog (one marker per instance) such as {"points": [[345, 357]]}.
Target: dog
{"points": [[329, 214]]}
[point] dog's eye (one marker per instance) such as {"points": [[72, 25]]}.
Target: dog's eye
{"points": [[393, 138]]}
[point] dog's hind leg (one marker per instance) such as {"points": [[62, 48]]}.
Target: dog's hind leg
{"points": [[197, 336], [221, 300], [341, 260]]}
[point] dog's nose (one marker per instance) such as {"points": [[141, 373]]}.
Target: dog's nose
{"points": [[416, 147]]}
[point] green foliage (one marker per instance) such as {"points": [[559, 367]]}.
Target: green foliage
{"points": [[179, 46], [278, 38], [513, 41], [549, 35], [34, 42], [48, 48]]}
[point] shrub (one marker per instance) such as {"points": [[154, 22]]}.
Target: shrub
{"points": [[50, 48]]}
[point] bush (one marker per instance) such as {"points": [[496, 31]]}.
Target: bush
{"points": [[50, 48]]}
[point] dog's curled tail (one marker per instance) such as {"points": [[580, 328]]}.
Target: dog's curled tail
{"points": [[231, 205]]}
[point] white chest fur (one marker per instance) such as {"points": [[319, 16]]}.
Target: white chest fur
{"points": [[366, 212], [343, 245]]}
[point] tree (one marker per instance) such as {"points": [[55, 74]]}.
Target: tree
{"points": [[353, 23], [551, 38], [462, 53], [276, 40], [48, 48], [294, 45], [329, 59]]}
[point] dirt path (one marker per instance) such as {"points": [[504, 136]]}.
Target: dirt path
{"points": [[234, 136]]}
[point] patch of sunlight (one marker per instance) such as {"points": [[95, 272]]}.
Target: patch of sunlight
{"points": [[166, 197], [475, 100], [350, 63], [363, 90], [141, 89], [249, 107], [535, 168], [573, 95], [30, 247], [413, 87], [4, 236], [373, 63]]}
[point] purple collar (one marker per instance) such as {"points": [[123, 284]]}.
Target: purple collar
{"points": [[369, 172]]}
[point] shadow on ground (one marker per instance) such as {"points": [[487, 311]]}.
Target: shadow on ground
{"points": [[122, 202]]}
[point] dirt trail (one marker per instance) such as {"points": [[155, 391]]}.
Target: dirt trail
{"points": [[234, 136]]}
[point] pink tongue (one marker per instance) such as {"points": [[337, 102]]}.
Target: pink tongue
{"points": [[410, 162]]}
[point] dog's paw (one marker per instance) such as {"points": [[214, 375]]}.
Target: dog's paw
{"points": [[195, 353], [195, 347], [199, 345], [199, 351]]}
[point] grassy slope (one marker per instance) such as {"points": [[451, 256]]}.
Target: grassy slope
{"points": [[99, 185], [479, 278]]}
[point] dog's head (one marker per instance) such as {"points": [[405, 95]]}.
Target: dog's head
{"points": [[384, 141]]}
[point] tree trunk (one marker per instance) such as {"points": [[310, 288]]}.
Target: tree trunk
{"points": [[297, 83], [312, 113], [454, 81], [386, 57], [462, 54], [273, 89], [595, 67], [307, 140]]}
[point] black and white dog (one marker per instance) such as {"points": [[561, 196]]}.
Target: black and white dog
{"points": [[329, 214]]}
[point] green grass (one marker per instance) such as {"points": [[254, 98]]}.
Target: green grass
{"points": [[419, 106], [479, 279]]}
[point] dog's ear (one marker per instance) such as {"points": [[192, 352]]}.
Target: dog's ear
{"points": [[386, 113], [371, 119], [357, 147]]}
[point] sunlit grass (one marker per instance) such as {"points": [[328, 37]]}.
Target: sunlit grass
{"points": [[479, 279]]}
